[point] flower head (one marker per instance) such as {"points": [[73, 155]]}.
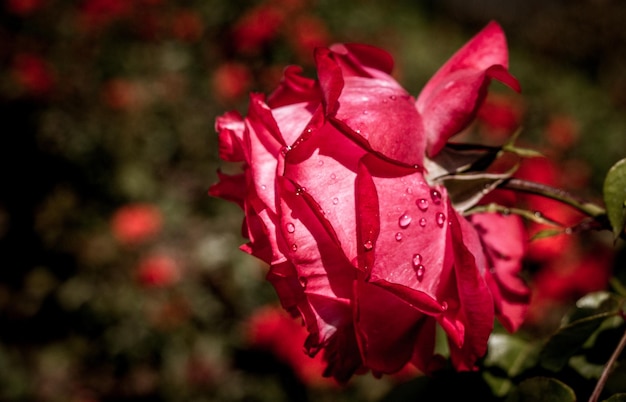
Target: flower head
{"points": [[363, 241]]}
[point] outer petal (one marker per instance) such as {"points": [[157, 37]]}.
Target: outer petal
{"points": [[230, 127], [409, 246], [325, 164], [475, 299], [387, 328], [450, 99], [294, 88], [504, 240], [323, 271], [368, 105]]}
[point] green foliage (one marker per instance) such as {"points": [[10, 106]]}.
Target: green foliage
{"points": [[615, 197]]}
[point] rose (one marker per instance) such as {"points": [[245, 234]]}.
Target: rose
{"points": [[362, 241]]}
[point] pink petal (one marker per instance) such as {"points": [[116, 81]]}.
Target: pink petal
{"points": [[366, 103], [412, 238], [477, 311], [323, 271], [294, 88], [504, 240], [386, 328], [230, 127], [326, 165], [450, 99]]}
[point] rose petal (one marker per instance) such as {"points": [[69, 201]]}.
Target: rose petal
{"points": [[294, 88], [323, 270], [386, 327], [450, 99], [476, 305]]}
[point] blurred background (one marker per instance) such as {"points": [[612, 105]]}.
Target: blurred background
{"points": [[121, 279]]}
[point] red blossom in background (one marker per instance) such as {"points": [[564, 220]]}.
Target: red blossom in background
{"points": [[368, 252], [23, 7], [32, 74], [273, 330], [157, 270], [136, 223]]}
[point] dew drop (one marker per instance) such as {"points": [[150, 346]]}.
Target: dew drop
{"points": [[303, 281], [333, 176], [263, 187], [358, 131], [320, 162], [419, 272], [290, 228], [569, 231], [285, 150], [436, 196], [335, 201], [417, 260], [409, 190], [440, 218], [368, 245], [300, 190], [538, 214], [398, 236], [294, 247], [392, 97], [404, 220], [365, 112], [422, 204], [422, 222], [444, 305]]}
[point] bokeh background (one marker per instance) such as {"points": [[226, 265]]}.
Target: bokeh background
{"points": [[121, 279]]}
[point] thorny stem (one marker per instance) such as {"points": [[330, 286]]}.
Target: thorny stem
{"points": [[585, 207], [607, 369]]}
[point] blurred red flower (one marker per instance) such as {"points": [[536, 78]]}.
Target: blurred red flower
{"points": [[32, 74], [136, 223], [157, 270], [271, 329], [23, 7], [231, 81], [499, 116]]}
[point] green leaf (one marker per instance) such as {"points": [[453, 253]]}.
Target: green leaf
{"points": [[511, 355], [616, 398], [542, 389], [568, 340], [615, 197]]}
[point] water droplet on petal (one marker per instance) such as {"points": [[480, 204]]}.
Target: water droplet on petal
{"points": [[285, 150], [320, 162], [392, 97], [294, 247], [422, 204], [365, 112], [300, 190], [409, 190], [335, 201], [417, 260], [444, 305], [404, 220], [303, 281], [368, 245], [440, 218], [419, 272], [290, 228], [333, 176], [398, 236], [423, 222], [263, 187], [436, 196], [538, 214]]}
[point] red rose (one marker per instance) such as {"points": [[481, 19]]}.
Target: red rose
{"points": [[363, 243], [134, 224]]}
